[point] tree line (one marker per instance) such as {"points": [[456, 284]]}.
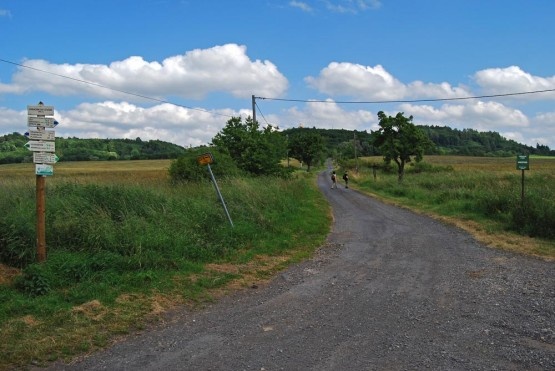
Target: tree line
{"points": [[253, 146], [12, 149]]}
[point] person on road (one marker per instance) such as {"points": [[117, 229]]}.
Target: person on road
{"points": [[346, 179], [333, 180]]}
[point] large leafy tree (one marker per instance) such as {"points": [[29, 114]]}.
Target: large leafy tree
{"points": [[306, 145], [255, 150], [400, 140]]}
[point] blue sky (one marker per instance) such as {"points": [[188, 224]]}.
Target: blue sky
{"points": [[190, 65]]}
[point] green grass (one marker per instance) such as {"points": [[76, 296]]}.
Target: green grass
{"points": [[486, 191], [124, 245]]}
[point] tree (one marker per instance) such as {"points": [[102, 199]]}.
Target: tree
{"points": [[398, 139], [253, 150], [306, 145]]}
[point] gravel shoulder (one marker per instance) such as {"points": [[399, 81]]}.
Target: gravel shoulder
{"points": [[391, 289]]}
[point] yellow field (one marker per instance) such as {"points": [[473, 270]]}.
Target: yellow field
{"points": [[138, 171], [497, 164]]}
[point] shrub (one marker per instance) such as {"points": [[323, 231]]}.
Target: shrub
{"points": [[187, 168]]}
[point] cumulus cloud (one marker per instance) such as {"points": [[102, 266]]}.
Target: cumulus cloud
{"points": [[482, 116], [194, 75], [514, 80], [377, 84], [329, 115], [167, 122], [355, 80]]}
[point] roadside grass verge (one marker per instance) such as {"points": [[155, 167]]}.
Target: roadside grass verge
{"points": [[481, 195], [125, 246]]}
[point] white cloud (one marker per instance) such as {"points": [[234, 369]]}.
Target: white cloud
{"points": [[355, 80], [351, 6], [366, 83], [194, 75], [183, 126], [482, 116], [329, 116], [5, 13], [301, 5], [514, 80], [421, 90]]}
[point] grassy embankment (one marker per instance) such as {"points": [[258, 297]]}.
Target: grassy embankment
{"points": [[124, 246], [481, 195]]}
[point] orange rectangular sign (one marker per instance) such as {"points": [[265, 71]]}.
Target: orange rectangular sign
{"points": [[205, 159]]}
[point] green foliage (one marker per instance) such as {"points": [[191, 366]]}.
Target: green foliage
{"points": [[75, 149], [17, 225], [470, 142], [33, 281], [478, 195], [187, 168], [110, 246], [306, 145], [255, 151], [400, 140]]}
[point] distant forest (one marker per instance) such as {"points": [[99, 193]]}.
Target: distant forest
{"points": [[448, 141], [12, 149]]}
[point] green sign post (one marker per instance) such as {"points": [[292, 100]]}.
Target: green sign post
{"points": [[522, 163]]}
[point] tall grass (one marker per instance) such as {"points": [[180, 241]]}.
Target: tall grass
{"points": [[480, 189], [116, 241]]}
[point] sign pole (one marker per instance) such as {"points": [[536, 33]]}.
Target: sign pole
{"points": [[522, 191], [207, 159], [41, 218], [43, 146], [220, 195], [522, 163]]}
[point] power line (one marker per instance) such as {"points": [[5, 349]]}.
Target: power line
{"points": [[113, 89], [410, 100]]}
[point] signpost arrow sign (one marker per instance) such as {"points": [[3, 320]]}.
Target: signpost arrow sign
{"points": [[47, 122], [45, 158], [37, 146], [41, 135]]}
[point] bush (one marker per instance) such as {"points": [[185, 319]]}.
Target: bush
{"points": [[33, 281], [187, 168]]}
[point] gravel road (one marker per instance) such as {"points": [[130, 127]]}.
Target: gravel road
{"points": [[390, 290]]}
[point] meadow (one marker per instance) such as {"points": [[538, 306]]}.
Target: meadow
{"points": [[480, 194], [124, 245]]}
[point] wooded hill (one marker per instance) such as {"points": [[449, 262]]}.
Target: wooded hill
{"points": [[448, 141], [12, 149]]}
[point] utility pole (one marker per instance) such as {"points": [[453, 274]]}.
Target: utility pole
{"points": [[253, 108]]}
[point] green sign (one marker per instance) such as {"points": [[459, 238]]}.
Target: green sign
{"points": [[44, 170], [522, 162]]}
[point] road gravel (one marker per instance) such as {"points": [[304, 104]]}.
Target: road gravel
{"points": [[390, 290]]}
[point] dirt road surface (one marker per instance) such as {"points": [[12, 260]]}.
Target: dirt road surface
{"points": [[391, 290]]}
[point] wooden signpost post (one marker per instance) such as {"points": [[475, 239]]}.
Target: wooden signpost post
{"points": [[42, 145]]}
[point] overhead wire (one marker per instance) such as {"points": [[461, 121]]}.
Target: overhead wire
{"points": [[409, 100]]}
